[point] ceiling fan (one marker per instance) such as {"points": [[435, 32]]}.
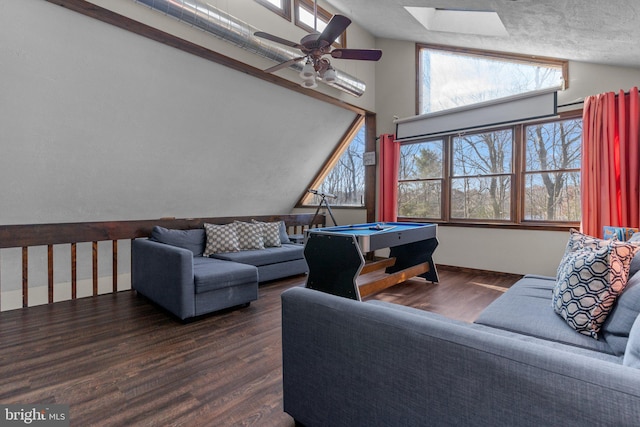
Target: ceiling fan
{"points": [[315, 46]]}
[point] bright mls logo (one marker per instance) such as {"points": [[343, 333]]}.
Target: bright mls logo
{"points": [[34, 415]]}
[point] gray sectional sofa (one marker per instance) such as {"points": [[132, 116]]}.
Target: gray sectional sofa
{"points": [[169, 269], [350, 363]]}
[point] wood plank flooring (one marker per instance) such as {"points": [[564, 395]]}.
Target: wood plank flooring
{"points": [[118, 360]]}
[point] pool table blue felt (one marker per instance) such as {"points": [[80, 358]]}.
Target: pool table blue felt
{"points": [[372, 227], [370, 238]]}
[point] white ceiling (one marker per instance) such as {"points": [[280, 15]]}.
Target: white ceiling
{"points": [[598, 31]]}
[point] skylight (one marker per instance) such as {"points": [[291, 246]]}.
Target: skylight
{"points": [[483, 23]]}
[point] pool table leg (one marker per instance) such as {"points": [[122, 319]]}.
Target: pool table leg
{"points": [[413, 254]]}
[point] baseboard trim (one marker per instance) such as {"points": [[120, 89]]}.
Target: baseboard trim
{"points": [[477, 271]]}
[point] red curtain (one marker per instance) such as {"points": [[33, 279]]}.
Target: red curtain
{"points": [[388, 192], [610, 161]]}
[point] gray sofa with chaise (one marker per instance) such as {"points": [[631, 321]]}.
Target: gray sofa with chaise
{"points": [[173, 269], [351, 363]]}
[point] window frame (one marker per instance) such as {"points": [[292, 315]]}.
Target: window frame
{"points": [[512, 176], [570, 115], [285, 11], [518, 182], [323, 15], [487, 54], [442, 179]]}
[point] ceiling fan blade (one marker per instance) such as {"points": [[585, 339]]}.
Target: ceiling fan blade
{"points": [[284, 64], [362, 54], [277, 39], [334, 28]]}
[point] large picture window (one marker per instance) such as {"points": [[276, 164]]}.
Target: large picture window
{"points": [[526, 173], [449, 77]]}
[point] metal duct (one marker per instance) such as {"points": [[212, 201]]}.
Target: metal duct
{"points": [[228, 28]]}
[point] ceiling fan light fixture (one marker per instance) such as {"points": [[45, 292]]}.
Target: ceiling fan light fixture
{"points": [[308, 72], [330, 75], [309, 83]]}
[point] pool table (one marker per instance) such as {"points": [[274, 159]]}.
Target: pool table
{"points": [[335, 256]]}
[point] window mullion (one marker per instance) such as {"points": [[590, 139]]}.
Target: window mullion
{"points": [[446, 178]]}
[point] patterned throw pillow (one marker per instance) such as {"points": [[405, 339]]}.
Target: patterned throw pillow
{"points": [[578, 240], [590, 278], [249, 235], [220, 239], [270, 233]]}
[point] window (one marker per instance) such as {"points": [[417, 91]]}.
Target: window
{"points": [[481, 176], [281, 7], [304, 18], [526, 173], [420, 180], [449, 77], [552, 171], [345, 178]]}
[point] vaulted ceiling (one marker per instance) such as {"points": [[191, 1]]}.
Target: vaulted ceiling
{"points": [[598, 31]]}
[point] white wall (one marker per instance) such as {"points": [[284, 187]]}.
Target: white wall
{"points": [[101, 124], [505, 250]]}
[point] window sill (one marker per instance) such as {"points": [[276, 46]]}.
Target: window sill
{"points": [[502, 225]]}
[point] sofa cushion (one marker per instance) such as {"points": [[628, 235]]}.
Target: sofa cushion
{"points": [[210, 274], [526, 308], [249, 235], [284, 253], [192, 240], [625, 311], [220, 238], [588, 282], [632, 353]]}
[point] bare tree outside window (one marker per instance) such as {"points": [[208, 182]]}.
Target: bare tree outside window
{"points": [[346, 179], [420, 180], [552, 176], [481, 176]]}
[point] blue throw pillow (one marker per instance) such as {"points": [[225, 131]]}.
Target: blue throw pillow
{"points": [[192, 240]]}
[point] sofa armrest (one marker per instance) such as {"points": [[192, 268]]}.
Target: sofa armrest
{"points": [[367, 364], [164, 274]]}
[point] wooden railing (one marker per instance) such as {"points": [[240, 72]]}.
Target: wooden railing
{"points": [[31, 235]]}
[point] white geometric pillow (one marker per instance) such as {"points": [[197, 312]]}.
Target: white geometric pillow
{"points": [[578, 240], [249, 235], [220, 239], [270, 233], [589, 280]]}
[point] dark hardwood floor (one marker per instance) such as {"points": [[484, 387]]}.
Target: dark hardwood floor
{"points": [[118, 360]]}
